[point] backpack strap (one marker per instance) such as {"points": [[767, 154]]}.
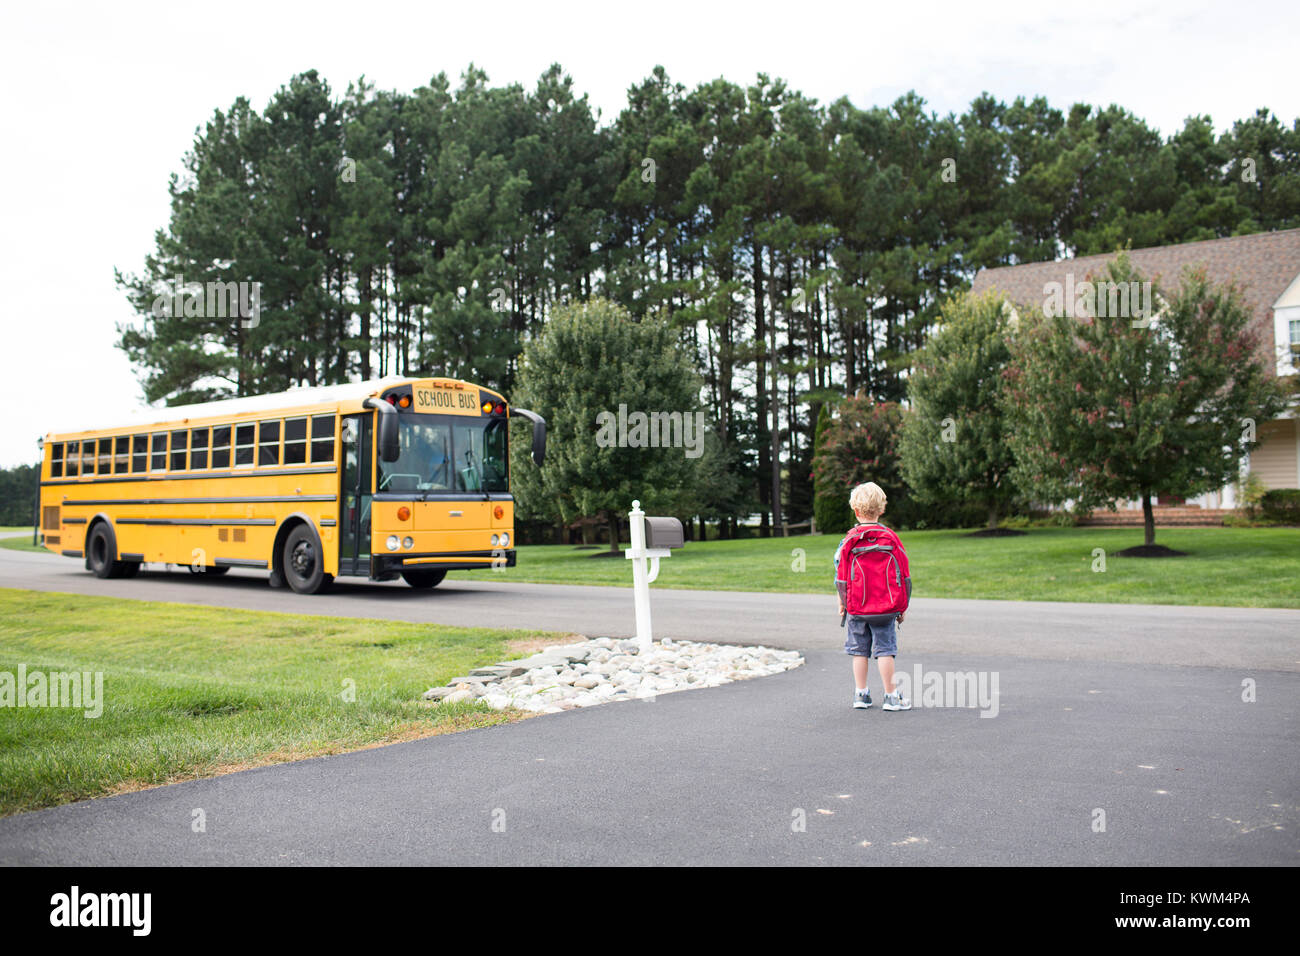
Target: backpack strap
{"points": [[872, 547]]}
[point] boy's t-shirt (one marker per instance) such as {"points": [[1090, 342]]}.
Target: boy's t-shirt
{"points": [[842, 563]]}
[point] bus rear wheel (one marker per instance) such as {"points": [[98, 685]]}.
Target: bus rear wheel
{"points": [[303, 563], [101, 552], [423, 579]]}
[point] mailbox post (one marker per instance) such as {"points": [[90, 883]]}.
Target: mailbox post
{"points": [[652, 539]]}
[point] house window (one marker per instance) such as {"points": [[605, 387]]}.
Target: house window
{"points": [[1295, 336]]}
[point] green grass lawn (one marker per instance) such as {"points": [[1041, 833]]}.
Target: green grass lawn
{"points": [[1237, 567], [22, 543], [193, 691]]}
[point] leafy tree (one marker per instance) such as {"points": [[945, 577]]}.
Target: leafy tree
{"points": [[830, 504], [18, 494], [861, 444], [1108, 408], [592, 363], [954, 445]]}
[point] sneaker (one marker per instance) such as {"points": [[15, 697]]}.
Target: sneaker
{"points": [[861, 699], [896, 701]]}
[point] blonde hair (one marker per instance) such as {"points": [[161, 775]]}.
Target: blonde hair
{"points": [[868, 499]]}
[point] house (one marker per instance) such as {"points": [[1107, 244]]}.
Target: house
{"points": [[1266, 266]]}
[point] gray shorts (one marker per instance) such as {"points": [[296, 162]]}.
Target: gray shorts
{"points": [[871, 640]]}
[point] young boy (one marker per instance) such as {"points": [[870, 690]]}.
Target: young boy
{"points": [[871, 573]]}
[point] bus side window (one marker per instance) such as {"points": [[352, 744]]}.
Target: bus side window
{"points": [[268, 449], [56, 460], [178, 450], [198, 448], [221, 446], [159, 462], [105, 455], [87, 458], [245, 444], [295, 441], [74, 454], [121, 455], [140, 453], [322, 438]]}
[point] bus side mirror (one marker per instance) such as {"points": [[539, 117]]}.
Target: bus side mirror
{"points": [[390, 448], [539, 433]]}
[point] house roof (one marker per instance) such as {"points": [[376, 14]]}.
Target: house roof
{"points": [[1264, 265]]}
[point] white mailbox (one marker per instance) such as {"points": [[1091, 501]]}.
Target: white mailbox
{"points": [[652, 539]]}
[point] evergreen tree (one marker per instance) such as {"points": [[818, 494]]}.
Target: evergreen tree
{"points": [[954, 445]]}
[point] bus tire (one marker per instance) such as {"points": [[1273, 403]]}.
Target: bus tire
{"points": [[303, 561], [101, 551], [423, 579]]}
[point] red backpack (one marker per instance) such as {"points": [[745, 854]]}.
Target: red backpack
{"points": [[872, 562]]}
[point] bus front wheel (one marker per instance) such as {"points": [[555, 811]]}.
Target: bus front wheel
{"points": [[303, 563], [423, 579]]}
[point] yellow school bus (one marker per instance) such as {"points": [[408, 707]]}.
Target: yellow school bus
{"points": [[396, 476]]}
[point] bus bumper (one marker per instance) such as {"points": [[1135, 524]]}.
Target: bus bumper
{"points": [[385, 566]]}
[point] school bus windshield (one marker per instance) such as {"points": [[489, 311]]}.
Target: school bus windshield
{"points": [[446, 453]]}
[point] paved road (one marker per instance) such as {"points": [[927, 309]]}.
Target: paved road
{"points": [[1133, 711], [1185, 772], [1134, 633]]}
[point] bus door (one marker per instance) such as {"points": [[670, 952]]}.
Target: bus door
{"points": [[356, 495]]}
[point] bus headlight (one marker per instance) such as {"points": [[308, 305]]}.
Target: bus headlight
{"points": [[496, 539], [505, 540], [408, 542], [392, 542]]}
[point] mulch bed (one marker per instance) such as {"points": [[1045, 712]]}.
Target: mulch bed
{"points": [[1150, 551]]}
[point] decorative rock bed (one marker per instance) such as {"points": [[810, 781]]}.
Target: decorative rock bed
{"points": [[602, 670]]}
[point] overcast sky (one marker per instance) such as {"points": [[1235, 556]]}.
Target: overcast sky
{"points": [[102, 100]]}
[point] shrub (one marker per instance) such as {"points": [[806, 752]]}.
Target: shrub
{"points": [[1281, 505], [1250, 492]]}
